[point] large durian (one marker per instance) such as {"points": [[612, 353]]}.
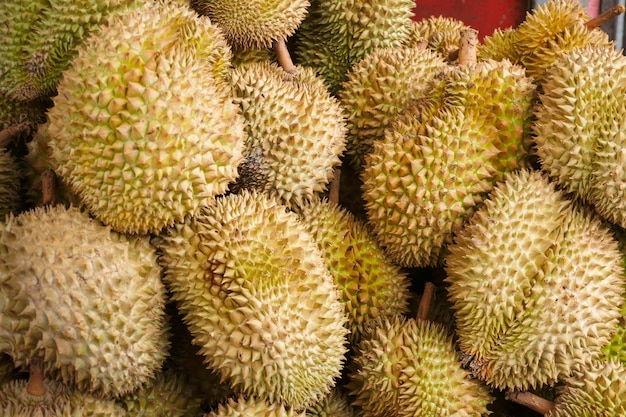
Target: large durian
{"points": [[536, 285], [254, 24], [410, 368], [87, 300], [258, 299], [296, 131], [144, 129]]}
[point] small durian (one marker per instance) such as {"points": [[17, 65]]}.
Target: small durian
{"points": [[253, 407], [149, 133], [10, 186], [296, 131], [408, 367], [442, 34], [257, 297], [370, 285], [254, 24], [89, 301], [535, 283], [335, 404]]}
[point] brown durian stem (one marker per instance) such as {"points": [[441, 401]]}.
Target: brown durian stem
{"points": [[283, 56], [49, 188], [468, 47], [530, 400], [333, 193], [8, 134], [602, 18], [36, 385], [423, 309]]}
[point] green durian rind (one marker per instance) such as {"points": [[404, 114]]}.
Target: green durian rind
{"points": [[378, 88], [253, 407], [337, 34], [89, 301], [10, 186], [370, 285], [597, 390], [295, 129], [254, 24], [526, 257], [258, 299], [406, 367], [335, 404], [152, 128]]}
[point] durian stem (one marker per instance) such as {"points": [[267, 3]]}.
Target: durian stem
{"points": [[468, 47], [283, 56], [602, 18], [423, 309], [49, 188], [333, 193], [8, 134], [530, 400], [36, 385]]}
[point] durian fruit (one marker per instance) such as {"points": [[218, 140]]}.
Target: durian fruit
{"points": [[254, 24], [380, 87], [88, 405], [168, 395], [406, 367], [87, 300], [258, 299], [370, 285], [335, 404], [296, 131], [580, 130], [443, 34], [144, 130], [253, 407], [597, 390], [46, 44], [536, 285], [337, 34], [10, 187], [243, 56]]}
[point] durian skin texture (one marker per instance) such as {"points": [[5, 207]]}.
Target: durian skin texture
{"points": [[253, 407], [144, 129], [87, 300], [535, 283], [335, 404], [254, 24], [408, 368], [256, 295], [16, 401]]}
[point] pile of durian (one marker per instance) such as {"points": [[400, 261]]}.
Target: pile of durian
{"points": [[309, 208]]}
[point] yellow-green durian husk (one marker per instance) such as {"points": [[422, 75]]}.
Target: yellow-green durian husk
{"points": [[551, 29], [335, 404], [168, 395], [423, 180], [10, 186], [406, 367], [89, 301], [597, 390], [579, 129], [536, 285], [378, 88], [87, 405], [254, 24], [17, 401], [443, 34], [144, 129], [337, 34], [258, 299], [370, 285], [296, 131], [253, 407], [500, 45]]}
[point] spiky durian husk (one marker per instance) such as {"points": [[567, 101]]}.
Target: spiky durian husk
{"points": [[296, 131], [370, 285], [10, 188], [88, 405], [410, 368], [169, 395], [551, 29], [257, 297], [249, 55], [378, 88], [535, 284], [88, 300], [500, 45], [51, 41], [422, 181], [254, 24], [151, 126], [17, 401], [31, 114], [252, 407], [579, 128], [337, 34], [443, 34], [597, 390], [335, 404]]}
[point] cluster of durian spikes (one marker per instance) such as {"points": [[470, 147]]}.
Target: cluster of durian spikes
{"points": [[604, 17], [530, 400]]}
